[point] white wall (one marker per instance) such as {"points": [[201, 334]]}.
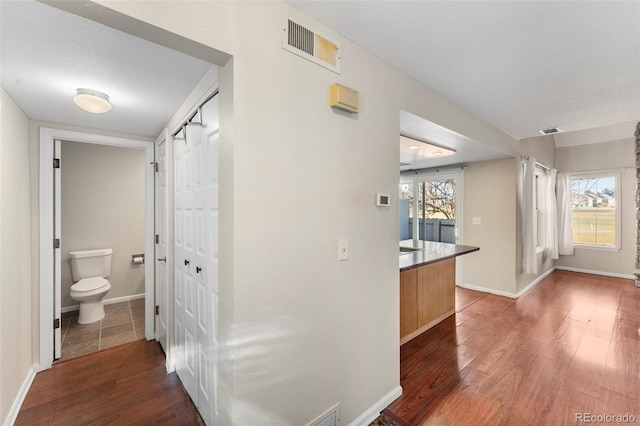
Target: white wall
{"points": [[543, 148], [599, 156], [103, 206], [15, 253], [490, 194], [299, 330]]}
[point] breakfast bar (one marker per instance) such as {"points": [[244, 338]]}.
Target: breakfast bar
{"points": [[427, 284]]}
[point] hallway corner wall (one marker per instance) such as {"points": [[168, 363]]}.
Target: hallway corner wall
{"points": [[16, 345]]}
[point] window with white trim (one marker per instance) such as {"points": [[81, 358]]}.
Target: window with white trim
{"points": [[595, 213], [540, 222], [540, 199]]}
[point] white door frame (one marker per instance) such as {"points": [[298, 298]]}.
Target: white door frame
{"points": [[46, 210], [166, 293], [57, 254]]}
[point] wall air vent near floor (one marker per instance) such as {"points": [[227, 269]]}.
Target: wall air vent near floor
{"points": [[330, 418], [309, 44]]}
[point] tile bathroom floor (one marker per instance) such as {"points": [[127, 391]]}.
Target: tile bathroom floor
{"points": [[122, 323]]}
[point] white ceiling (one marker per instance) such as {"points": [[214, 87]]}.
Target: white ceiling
{"points": [[520, 65], [46, 54]]}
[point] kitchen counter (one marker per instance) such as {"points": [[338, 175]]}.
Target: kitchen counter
{"points": [[427, 285], [430, 252]]}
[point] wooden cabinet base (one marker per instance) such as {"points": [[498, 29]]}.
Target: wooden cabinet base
{"points": [[427, 296], [427, 326]]}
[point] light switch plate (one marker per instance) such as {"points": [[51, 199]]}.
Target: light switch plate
{"points": [[477, 221]]}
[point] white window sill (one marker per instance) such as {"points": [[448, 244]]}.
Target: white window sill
{"points": [[539, 249], [600, 248]]}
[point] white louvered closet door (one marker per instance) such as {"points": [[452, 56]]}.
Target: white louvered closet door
{"points": [[196, 259]]}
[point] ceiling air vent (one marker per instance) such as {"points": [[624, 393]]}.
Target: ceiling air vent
{"points": [[550, 130], [305, 42]]}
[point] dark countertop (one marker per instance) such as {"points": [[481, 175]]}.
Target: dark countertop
{"points": [[430, 252]]}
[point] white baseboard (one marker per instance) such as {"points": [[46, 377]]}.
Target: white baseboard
{"points": [[535, 282], [604, 274], [372, 413], [106, 302], [22, 394], [488, 290], [509, 294]]}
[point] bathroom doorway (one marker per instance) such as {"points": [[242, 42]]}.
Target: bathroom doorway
{"points": [[51, 260], [102, 205]]}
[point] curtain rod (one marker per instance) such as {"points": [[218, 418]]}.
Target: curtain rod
{"points": [[547, 168], [434, 169]]}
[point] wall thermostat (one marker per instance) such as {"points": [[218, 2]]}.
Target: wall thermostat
{"points": [[383, 200]]}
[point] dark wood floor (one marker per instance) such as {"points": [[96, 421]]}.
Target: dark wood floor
{"points": [[124, 385], [571, 345]]}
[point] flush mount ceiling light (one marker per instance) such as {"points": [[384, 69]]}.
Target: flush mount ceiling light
{"points": [[422, 148], [92, 101]]}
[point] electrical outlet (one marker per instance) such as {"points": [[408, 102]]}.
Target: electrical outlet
{"points": [[343, 249], [477, 221]]}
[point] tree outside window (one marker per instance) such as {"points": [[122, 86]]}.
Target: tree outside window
{"points": [[437, 199]]}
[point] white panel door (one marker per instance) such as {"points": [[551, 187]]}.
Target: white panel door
{"points": [[185, 297], [196, 259], [207, 260], [162, 231]]}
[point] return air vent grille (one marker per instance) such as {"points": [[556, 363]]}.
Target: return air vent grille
{"points": [[311, 45], [300, 37], [330, 418]]}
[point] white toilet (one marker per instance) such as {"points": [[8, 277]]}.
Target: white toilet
{"points": [[89, 268]]}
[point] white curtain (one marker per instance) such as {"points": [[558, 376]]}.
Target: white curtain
{"points": [[565, 235], [551, 216], [528, 208]]}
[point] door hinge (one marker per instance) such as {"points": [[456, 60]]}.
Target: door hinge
{"points": [[157, 310], [56, 163], [56, 323], [156, 167], [56, 243], [157, 238]]}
